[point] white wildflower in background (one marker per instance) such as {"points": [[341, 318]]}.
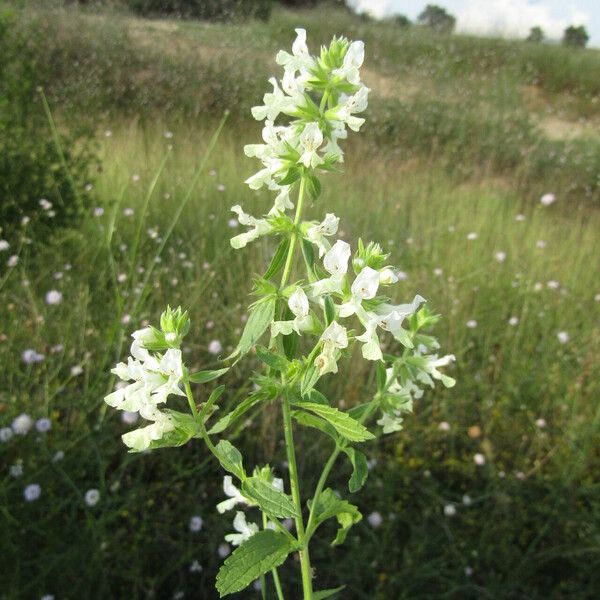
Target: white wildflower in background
{"points": [[215, 347], [472, 236], [513, 321], [479, 459], [541, 423], [196, 567], [500, 256], [563, 337], [450, 510], [224, 550], [43, 425], [4, 245], [16, 470], [92, 497], [444, 426], [471, 323], [5, 434], [375, 519], [32, 492], [45, 204], [196, 523], [13, 261], [31, 357], [22, 424], [547, 199]]}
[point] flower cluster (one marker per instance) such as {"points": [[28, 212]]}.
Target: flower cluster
{"points": [[320, 96], [153, 372]]}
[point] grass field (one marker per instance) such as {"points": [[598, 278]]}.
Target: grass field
{"points": [[517, 284]]}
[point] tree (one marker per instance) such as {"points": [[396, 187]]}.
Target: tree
{"points": [[401, 21], [536, 35], [576, 37], [437, 18]]}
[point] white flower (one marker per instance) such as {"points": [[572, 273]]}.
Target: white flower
{"points": [[5, 434], [140, 439], [196, 523], [13, 261], [43, 425], [472, 324], [22, 424], [223, 550], [563, 337], [215, 347], [317, 233], [375, 519], [275, 103], [350, 105], [479, 459], [4, 245], [32, 492], [16, 470], [388, 276], [472, 236], [259, 227], [547, 199], [298, 303], [129, 418], [311, 139], [366, 284], [430, 370], [336, 264], [500, 256], [449, 510], [353, 60], [444, 426], [300, 59], [45, 204], [31, 357], [513, 321], [195, 567], [541, 423], [235, 496], [334, 338], [92, 497], [53, 297], [245, 530]]}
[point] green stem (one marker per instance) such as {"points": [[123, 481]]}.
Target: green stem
{"points": [[287, 421], [274, 572]]}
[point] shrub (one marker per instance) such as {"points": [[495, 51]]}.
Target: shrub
{"points": [[31, 165], [213, 10]]}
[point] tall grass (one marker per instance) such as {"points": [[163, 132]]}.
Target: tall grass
{"points": [[529, 527]]}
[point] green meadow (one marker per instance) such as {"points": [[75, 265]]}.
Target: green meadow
{"points": [[142, 125]]}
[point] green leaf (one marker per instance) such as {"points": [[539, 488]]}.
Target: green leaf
{"points": [[308, 252], [343, 423], [260, 318], [264, 551], [309, 420], [230, 459], [292, 175], [269, 499], [216, 394], [278, 259], [329, 310], [381, 376], [324, 594], [224, 422], [313, 187], [272, 359], [360, 470], [205, 376], [309, 380], [329, 506]]}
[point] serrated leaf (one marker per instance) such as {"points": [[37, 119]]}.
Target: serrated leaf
{"points": [[264, 551], [206, 376], [230, 458], [309, 420], [343, 423], [269, 499], [272, 359], [360, 469], [278, 259], [309, 380], [324, 594], [224, 422], [260, 318], [329, 506]]}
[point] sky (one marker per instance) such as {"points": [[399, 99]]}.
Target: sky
{"points": [[510, 18]]}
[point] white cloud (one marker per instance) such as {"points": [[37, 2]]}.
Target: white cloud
{"points": [[514, 18]]}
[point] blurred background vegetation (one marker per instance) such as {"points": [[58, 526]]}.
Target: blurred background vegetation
{"points": [[106, 110]]}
